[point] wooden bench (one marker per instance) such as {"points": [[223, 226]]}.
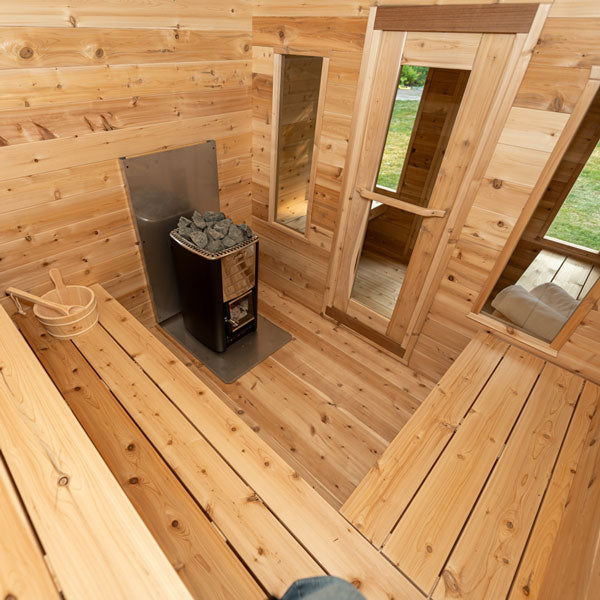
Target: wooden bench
{"points": [[491, 491], [229, 514], [96, 545]]}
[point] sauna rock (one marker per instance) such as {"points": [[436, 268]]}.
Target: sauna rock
{"points": [[213, 231]]}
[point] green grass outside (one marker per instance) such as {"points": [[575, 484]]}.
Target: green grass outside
{"points": [[401, 124], [577, 222]]}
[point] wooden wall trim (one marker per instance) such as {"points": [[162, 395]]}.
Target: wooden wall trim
{"points": [[467, 18], [367, 332]]}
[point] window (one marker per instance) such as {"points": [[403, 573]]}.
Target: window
{"points": [[556, 262], [300, 85], [426, 105]]}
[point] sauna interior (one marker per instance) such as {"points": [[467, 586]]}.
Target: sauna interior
{"points": [[418, 189]]}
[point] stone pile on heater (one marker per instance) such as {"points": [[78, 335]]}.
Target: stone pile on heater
{"points": [[213, 231]]}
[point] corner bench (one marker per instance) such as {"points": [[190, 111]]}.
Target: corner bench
{"points": [[492, 488]]}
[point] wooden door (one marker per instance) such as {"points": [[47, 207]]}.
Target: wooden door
{"points": [[496, 63]]}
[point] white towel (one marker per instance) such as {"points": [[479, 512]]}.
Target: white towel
{"points": [[554, 296], [529, 312]]}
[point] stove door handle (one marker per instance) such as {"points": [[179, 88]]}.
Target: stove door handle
{"points": [[232, 322]]}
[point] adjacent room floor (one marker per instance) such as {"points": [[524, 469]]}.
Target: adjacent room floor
{"points": [[378, 281]]}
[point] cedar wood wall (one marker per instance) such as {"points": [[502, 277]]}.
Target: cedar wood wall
{"points": [[559, 68], [86, 84]]}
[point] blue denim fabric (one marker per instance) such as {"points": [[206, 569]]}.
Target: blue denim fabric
{"points": [[322, 588]]}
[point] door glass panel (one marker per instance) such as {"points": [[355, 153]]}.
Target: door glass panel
{"points": [[424, 112], [300, 86], [386, 251], [557, 260]]}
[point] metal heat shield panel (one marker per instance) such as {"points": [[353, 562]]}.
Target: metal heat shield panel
{"points": [[162, 187]]}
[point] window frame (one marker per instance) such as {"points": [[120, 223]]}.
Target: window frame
{"points": [[511, 332], [278, 66]]}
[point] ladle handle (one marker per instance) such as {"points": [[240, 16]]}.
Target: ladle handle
{"points": [[14, 292], [57, 279]]}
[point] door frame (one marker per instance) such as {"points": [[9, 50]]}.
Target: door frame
{"points": [[446, 38]]}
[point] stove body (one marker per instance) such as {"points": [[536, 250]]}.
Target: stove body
{"points": [[218, 292]]}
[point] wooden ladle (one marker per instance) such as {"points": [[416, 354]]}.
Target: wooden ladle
{"points": [[64, 309], [58, 282]]}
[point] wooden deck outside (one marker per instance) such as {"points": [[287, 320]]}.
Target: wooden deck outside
{"points": [[489, 491], [576, 277]]}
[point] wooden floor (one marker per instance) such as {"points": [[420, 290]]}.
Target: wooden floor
{"points": [[378, 281], [491, 489], [575, 276], [232, 517], [328, 402]]}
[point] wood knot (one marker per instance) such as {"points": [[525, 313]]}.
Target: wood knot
{"points": [[450, 277], [26, 52], [133, 480], [10, 597], [174, 523], [281, 34], [429, 549], [246, 47], [450, 583], [497, 184], [131, 447], [500, 224], [63, 480], [509, 524], [99, 53], [356, 583]]}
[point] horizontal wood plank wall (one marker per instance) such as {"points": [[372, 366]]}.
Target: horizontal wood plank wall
{"points": [[560, 66], [87, 82], [295, 264]]}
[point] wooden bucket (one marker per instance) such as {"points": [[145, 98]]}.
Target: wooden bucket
{"points": [[76, 323]]}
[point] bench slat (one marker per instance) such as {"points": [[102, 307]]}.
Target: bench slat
{"points": [[499, 525], [204, 561], [382, 496], [426, 533], [82, 517], [322, 530], [23, 572], [574, 566], [264, 544]]}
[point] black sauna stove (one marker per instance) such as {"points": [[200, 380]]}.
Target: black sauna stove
{"points": [[218, 292]]}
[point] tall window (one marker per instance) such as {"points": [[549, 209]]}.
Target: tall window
{"points": [[298, 107], [424, 111]]}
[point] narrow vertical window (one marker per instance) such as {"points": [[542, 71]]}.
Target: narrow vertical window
{"points": [[298, 113]]}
